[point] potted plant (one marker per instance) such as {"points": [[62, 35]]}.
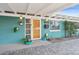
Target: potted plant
{"points": [[16, 29], [27, 41]]}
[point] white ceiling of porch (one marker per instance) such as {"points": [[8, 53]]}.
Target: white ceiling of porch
{"points": [[44, 9]]}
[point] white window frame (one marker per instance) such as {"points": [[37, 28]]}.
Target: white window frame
{"points": [[50, 25]]}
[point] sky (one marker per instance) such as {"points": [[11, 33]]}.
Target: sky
{"points": [[72, 11]]}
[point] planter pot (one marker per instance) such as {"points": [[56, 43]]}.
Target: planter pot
{"points": [[27, 42]]}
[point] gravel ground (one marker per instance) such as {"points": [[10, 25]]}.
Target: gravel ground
{"points": [[70, 47]]}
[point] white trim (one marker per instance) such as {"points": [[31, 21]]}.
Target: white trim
{"points": [[56, 19], [13, 15], [40, 28], [55, 30], [58, 30], [25, 26], [77, 29], [32, 28], [26, 16]]}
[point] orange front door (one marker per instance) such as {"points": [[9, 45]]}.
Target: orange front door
{"points": [[36, 29]]}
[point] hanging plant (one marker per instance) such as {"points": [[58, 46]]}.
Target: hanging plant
{"points": [[16, 29]]}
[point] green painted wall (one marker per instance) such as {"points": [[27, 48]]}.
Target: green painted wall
{"points": [[7, 35], [58, 34]]}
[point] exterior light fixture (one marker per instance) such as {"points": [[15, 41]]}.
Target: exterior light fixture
{"points": [[20, 20], [21, 17]]}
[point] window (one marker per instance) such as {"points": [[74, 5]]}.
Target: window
{"points": [[54, 25]]}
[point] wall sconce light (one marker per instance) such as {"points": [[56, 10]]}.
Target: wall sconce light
{"points": [[20, 20]]}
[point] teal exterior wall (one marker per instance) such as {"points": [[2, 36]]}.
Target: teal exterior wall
{"points": [[7, 35], [58, 34]]}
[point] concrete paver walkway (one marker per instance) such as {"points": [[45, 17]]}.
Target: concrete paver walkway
{"points": [[17, 46], [70, 47]]}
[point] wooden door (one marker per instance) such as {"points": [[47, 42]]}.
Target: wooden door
{"points": [[36, 29]]}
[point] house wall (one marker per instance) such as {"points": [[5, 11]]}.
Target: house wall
{"points": [[57, 34], [7, 35]]}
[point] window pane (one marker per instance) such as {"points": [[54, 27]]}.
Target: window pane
{"points": [[54, 25]]}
